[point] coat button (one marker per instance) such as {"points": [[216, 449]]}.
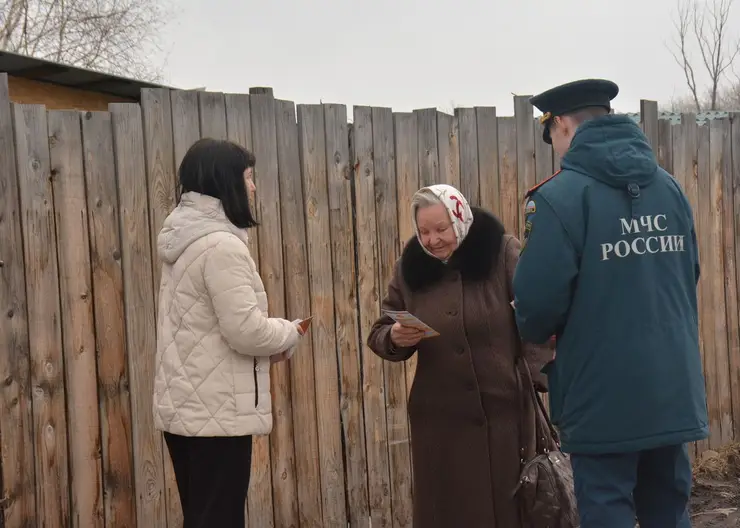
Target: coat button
{"points": [[470, 385], [452, 313], [461, 351]]}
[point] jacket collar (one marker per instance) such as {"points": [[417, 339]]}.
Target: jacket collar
{"points": [[474, 259]]}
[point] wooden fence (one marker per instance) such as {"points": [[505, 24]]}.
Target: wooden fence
{"points": [[82, 197]]}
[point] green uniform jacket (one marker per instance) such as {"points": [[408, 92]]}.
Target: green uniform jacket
{"points": [[609, 267]]}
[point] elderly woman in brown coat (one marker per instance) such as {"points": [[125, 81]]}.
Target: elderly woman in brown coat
{"points": [[468, 416]]}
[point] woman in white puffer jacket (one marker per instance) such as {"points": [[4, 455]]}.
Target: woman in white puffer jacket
{"points": [[215, 341]]}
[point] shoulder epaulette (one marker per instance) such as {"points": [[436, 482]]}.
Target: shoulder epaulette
{"points": [[543, 182]]}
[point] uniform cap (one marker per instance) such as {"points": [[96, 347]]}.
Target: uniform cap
{"points": [[571, 97]]}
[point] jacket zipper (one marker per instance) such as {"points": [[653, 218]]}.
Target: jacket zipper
{"points": [[256, 388]]}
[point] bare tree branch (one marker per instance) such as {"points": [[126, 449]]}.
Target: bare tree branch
{"points": [[114, 36], [681, 54], [707, 24]]}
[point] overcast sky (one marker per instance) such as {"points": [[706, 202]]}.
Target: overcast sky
{"points": [[409, 54]]}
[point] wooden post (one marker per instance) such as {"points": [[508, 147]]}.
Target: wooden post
{"points": [[649, 121]]}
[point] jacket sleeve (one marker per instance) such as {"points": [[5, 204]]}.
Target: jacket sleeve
{"points": [[228, 279], [379, 339], [537, 356], [545, 275]]}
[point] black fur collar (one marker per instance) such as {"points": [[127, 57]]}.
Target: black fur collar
{"points": [[474, 258]]}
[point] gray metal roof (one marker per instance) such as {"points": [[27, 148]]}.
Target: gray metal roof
{"points": [[71, 76], [675, 117]]}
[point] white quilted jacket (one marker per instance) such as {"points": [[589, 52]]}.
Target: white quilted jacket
{"points": [[214, 337]]}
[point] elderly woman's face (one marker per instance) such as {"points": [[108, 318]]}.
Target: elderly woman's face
{"points": [[436, 231]]}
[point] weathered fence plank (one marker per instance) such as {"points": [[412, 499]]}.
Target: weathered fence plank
{"points": [[685, 162], [525, 163], [162, 191], [373, 385], [284, 152], [320, 149], [264, 145], [239, 130], [298, 304], [406, 142], [448, 146], [386, 211], [342, 367], [729, 241], [68, 184], [110, 326], [649, 121], [707, 256], [160, 170], [488, 168], [185, 122], [128, 145], [509, 184], [426, 120], [720, 149], [212, 109], [406, 145], [469, 165], [732, 188], [542, 155], [16, 420], [42, 287], [238, 119], [665, 145]]}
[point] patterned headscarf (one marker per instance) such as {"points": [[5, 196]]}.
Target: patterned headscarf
{"points": [[457, 208]]}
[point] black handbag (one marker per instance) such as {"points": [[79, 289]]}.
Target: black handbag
{"points": [[545, 490]]}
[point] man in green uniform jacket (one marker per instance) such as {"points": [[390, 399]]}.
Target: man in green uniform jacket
{"points": [[609, 267]]}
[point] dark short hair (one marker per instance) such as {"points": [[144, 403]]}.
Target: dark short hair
{"points": [[216, 168], [590, 112]]}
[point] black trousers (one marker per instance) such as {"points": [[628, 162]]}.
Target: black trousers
{"points": [[212, 476]]}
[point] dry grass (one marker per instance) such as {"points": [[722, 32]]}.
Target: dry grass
{"points": [[716, 492], [722, 464]]}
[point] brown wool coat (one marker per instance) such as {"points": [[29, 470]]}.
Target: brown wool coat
{"points": [[465, 406]]}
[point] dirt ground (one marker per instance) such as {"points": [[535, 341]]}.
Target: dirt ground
{"points": [[715, 501]]}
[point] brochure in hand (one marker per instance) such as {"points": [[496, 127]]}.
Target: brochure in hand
{"points": [[406, 319], [305, 324]]}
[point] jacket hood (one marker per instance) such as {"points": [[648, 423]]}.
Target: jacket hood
{"points": [[196, 216], [613, 150]]}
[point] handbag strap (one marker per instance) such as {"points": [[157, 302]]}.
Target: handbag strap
{"points": [[521, 364], [527, 391]]}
